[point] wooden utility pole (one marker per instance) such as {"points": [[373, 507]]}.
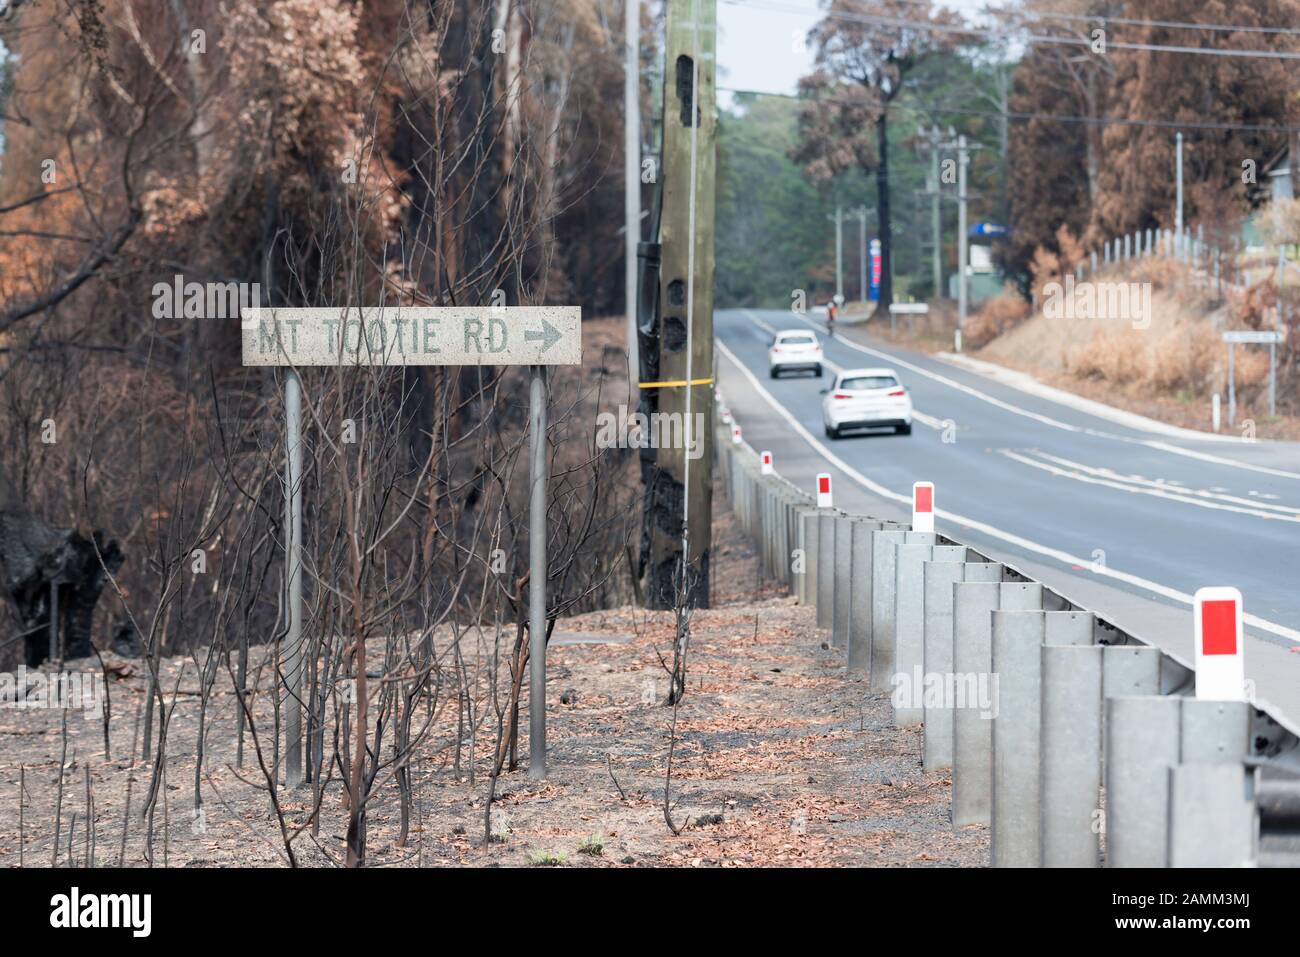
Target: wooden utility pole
{"points": [[686, 307]]}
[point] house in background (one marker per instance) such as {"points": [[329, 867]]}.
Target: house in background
{"points": [[983, 281], [1275, 178], [1274, 181]]}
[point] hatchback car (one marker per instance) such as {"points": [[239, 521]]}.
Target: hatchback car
{"points": [[866, 399], [794, 349]]}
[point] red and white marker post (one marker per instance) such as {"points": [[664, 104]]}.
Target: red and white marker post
{"points": [[735, 434], [765, 463], [1220, 670], [824, 490], [726, 416], [923, 506]]}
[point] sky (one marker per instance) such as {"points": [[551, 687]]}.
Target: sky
{"points": [[760, 42], [760, 47]]}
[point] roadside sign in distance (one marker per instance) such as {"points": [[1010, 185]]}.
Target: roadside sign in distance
{"points": [[1262, 337]]}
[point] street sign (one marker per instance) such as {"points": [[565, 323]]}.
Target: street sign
{"points": [[1265, 337], [534, 336], [989, 229], [923, 506], [909, 308], [874, 293], [413, 336], [1251, 336], [1220, 672]]}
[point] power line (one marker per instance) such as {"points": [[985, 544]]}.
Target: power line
{"points": [[1170, 24], [1030, 38], [1035, 15], [1090, 120]]}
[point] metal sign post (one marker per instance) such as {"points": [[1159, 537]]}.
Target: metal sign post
{"points": [[536, 336], [1232, 389], [537, 573], [293, 765], [1249, 336], [1272, 379]]}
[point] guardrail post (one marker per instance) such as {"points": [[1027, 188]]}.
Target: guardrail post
{"points": [[1019, 638], [780, 553], [737, 483], [937, 638], [842, 581], [1071, 755], [746, 494], [1017, 661], [909, 622], [793, 540], [774, 531], [972, 654], [1212, 816], [1213, 820], [884, 563], [807, 579], [767, 530], [860, 595], [1141, 745], [780, 556], [826, 567]]}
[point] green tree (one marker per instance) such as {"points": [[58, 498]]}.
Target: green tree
{"points": [[773, 232], [865, 51]]}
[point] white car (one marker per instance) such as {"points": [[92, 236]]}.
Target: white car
{"points": [[866, 399], [794, 349]]}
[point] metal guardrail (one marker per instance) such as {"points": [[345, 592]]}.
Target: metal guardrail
{"points": [[1075, 741]]}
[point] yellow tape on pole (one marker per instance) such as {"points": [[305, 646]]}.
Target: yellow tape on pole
{"points": [[675, 383]]}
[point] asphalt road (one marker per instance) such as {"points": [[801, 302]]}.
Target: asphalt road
{"points": [[1122, 520]]}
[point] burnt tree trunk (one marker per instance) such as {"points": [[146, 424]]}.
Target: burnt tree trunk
{"points": [[35, 556]]}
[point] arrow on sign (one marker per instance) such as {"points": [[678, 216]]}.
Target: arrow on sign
{"points": [[549, 335]]}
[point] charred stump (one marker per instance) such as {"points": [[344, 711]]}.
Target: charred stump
{"points": [[36, 557]]}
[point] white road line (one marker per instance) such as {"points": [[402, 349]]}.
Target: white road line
{"points": [[1063, 557], [1167, 484], [928, 420], [1220, 460], [1135, 489], [1048, 420]]}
